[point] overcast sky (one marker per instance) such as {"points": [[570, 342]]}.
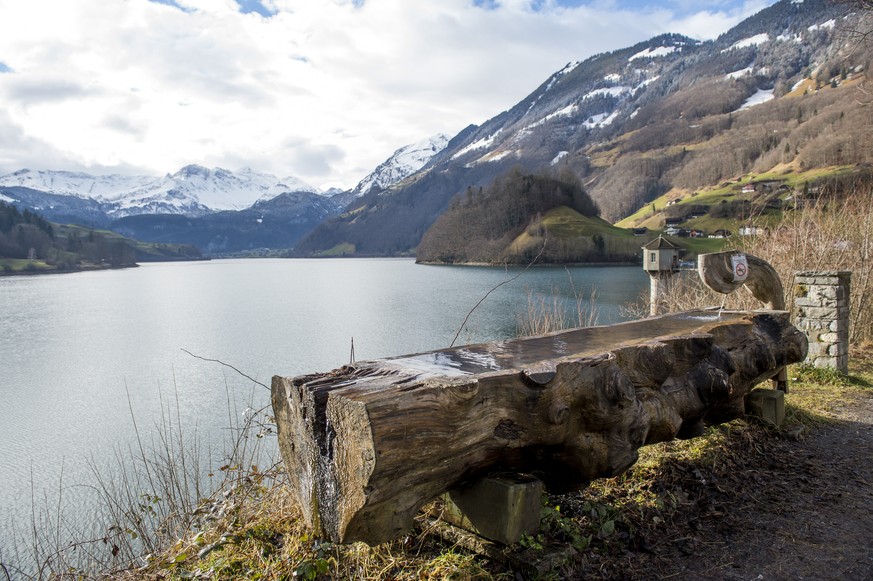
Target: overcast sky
{"points": [[323, 90]]}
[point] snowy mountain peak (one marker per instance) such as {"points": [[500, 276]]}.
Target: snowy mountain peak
{"points": [[403, 163], [81, 185], [192, 190]]}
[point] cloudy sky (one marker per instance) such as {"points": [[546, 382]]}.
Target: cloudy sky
{"points": [[323, 90]]}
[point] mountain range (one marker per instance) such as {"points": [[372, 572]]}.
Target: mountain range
{"points": [[782, 92], [219, 210]]}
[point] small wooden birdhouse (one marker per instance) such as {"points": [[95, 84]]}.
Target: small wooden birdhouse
{"points": [[660, 255]]}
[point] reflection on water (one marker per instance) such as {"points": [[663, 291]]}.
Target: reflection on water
{"points": [[79, 351]]}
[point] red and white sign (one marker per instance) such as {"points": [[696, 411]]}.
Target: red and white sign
{"points": [[740, 267]]}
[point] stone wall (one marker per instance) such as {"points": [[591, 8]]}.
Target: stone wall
{"points": [[821, 309]]}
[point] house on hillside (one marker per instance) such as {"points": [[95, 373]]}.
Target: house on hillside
{"points": [[640, 231], [749, 189]]}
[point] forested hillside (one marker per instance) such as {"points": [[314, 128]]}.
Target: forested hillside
{"points": [[516, 218], [30, 243]]}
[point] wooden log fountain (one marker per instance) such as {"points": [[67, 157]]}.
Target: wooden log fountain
{"points": [[367, 445]]}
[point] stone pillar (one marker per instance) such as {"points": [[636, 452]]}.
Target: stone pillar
{"points": [[821, 309]]}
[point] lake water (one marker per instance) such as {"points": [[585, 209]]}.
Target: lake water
{"points": [[78, 352]]}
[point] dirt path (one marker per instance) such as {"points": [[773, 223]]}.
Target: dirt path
{"points": [[800, 509]]}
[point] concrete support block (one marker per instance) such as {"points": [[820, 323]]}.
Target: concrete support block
{"points": [[767, 404], [498, 508]]}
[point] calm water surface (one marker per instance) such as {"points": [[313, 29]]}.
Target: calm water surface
{"points": [[78, 352]]}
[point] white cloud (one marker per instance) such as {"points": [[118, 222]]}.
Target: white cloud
{"points": [[324, 90]]}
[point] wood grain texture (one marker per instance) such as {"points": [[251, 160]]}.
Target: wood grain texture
{"points": [[367, 445]]}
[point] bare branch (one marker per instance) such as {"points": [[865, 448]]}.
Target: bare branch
{"points": [[249, 377]]}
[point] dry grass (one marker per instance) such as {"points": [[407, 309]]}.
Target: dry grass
{"points": [[546, 314]]}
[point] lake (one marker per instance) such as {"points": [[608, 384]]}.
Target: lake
{"points": [[83, 354]]}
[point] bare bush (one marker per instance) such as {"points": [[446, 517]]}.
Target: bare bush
{"points": [[154, 492], [831, 233]]}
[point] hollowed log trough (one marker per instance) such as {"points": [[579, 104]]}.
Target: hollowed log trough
{"points": [[367, 445]]}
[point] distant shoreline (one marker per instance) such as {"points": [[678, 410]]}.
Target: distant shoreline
{"points": [[90, 267], [524, 264]]}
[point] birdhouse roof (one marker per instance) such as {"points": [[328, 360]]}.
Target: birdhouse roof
{"points": [[660, 243]]}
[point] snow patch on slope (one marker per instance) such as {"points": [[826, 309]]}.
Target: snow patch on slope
{"points": [[483, 143], [611, 91], [756, 40], [651, 53], [760, 96], [823, 26], [739, 73], [491, 157], [600, 120], [561, 155]]}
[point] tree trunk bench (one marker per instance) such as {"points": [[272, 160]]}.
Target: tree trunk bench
{"points": [[368, 444]]}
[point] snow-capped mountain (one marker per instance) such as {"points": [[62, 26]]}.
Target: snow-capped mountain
{"points": [[81, 185], [220, 211], [192, 191], [403, 163]]}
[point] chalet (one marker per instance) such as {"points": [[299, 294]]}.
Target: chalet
{"points": [[640, 231], [720, 233], [674, 221], [749, 189], [750, 231]]}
